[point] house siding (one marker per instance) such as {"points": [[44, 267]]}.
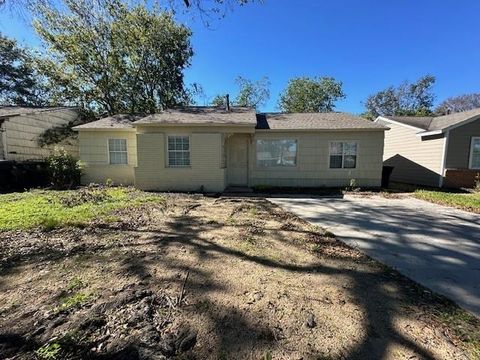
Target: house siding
{"points": [[415, 161], [22, 132], [204, 173], [312, 169], [459, 140], [94, 154]]}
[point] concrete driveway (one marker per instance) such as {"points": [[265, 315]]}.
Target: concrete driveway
{"points": [[434, 245]]}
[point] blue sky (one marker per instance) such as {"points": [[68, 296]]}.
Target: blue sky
{"points": [[367, 44]]}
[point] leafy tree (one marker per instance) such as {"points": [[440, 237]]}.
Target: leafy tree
{"points": [[458, 103], [409, 99], [311, 95], [107, 56], [19, 82], [218, 100], [252, 93], [205, 9]]}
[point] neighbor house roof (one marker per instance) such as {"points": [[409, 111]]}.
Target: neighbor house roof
{"points": [[120, 121], [201, 115], [315, 121], [9, 111], [430, 125]]}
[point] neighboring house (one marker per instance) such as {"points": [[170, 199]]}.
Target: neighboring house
{"points": [[20, 128], [442, 151], [210, 149]]}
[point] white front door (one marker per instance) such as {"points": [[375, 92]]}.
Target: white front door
{"points": [[237, 160]]}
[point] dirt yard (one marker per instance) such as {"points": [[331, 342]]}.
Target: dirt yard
{"points": [[194, 277]]}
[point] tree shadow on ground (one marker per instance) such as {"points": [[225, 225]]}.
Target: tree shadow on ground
{"points": [[368, 289]]}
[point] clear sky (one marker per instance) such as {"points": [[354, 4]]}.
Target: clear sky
{"points": [[366, 44]]}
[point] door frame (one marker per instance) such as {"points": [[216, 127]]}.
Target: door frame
{"points": [[247, 139]]}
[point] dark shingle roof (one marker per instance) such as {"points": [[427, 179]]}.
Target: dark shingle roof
{"points": [[434, 123], [421, 122], [315, 121], [202, 115], [120, 121], [8, 111]]}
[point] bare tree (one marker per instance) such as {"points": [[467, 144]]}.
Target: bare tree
{"points": [[458, 103]]}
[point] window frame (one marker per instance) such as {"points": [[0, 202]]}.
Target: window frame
{"points": [[189, 151], [470, 160], [126, 152], [285, 167], [343, 155]]}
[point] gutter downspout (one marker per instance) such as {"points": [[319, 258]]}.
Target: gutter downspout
{"points": [[444, 160], [3, 134]]}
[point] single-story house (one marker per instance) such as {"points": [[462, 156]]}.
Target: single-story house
{"points": [[212, 148], [439, 151], [21, 127]]}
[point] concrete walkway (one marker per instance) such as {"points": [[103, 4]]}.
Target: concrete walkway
{"points": [[434, 245]]}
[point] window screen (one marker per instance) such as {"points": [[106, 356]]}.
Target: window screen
{"points": [[117, 149], [343, 154], [178, 151], [475, 153], [276, 153]]}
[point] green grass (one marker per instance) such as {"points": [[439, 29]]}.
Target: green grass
{"points": [[51, 209], [49, 351], [74, 300], [465, 201]]}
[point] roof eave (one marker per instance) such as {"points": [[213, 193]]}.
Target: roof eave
{"points": [[136, 124], [398, 123], [430, 133], [323, 130], [77, 128]]}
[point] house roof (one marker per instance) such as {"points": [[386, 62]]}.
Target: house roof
{"points": [[237, 116], [437, 123], [315, 121], [202, 115], [120, 121], [9, 111]]}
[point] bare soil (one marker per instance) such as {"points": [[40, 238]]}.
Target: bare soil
{"points": [[204, 278]]}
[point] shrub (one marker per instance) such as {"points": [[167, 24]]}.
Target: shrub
{"points": [[64, 170], [476, 186]]}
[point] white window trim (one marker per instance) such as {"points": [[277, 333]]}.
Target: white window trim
{"points": [[108, 151], [283, 167], [167, 158], [344, 168], [471, 153]]}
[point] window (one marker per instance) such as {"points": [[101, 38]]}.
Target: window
{"points": [[276, 153], [178, 151], [343, 155], [117, 150], [475, 153]]}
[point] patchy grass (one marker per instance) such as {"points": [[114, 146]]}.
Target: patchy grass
{"points": [[208, 278], [74, 300], [464, 201], [54, 209], [49, 351]]}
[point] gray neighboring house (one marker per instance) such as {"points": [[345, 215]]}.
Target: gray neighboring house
{"points": [[438, 151], [20, 128]]}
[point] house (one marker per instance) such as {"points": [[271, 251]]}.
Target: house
{"points": [[212, 148], [21, 127], [439, 151]]}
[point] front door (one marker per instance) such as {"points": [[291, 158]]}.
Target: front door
{"points": [[237, 160]]}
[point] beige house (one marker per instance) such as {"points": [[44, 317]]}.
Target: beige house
{"points": [[442, 151], [210, 149], [21, 127]]}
